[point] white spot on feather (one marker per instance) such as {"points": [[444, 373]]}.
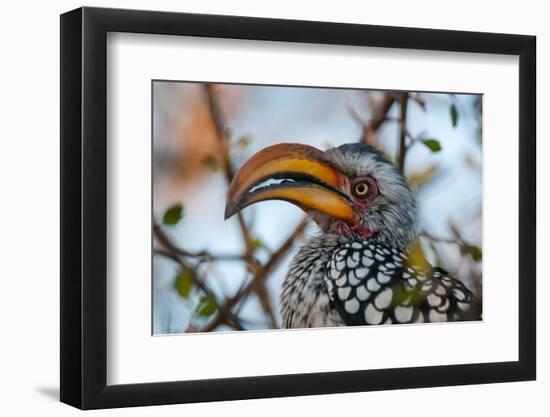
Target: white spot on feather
{"points": [[459, 294], [383, 300], [463, 306], [352, 279], [362, 293], [341, 281], [440, 290], [447, 281], [372, 285], [367, 261], [445, 306], [372, 315], [433, 300], [403, 314], [435, 316], [352, 306], [361, 272], [343, 293], [383, 278], [352, 263]]}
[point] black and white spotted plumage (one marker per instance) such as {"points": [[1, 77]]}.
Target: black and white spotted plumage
{"points": [[335, 281], [370, 283], [359, 270]]}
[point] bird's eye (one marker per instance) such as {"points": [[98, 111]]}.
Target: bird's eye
{"points": [[361, 189]]}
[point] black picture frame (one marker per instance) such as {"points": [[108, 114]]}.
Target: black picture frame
{"points": [[84, 207]]}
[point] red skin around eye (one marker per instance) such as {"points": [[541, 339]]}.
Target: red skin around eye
{"points": [[362, 203]]}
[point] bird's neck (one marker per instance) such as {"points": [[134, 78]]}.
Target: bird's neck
{"points": [[394, 240], [362, 232]]}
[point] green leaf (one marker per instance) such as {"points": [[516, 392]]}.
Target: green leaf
{"points": [[476, 253], [210, 161], [184, 282], [207, 306], [243, 141], [454, 114], [473, 251], [173, 214], [257, 243], [432, 144], [413, 297]]}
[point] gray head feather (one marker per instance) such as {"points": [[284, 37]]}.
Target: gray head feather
{"points": [[392, 215]]}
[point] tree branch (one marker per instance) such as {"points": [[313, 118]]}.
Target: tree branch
{"points": [[261, 275], [170, 251], [379, 115], [439, 239], [163, 239], [403, 101], [223, 139]]}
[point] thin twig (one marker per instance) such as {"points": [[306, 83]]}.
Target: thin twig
{"points": [[403, 101], [203, 254], [224, 315], [378, 117], [223, 139], [439, 239], [418, 99]]}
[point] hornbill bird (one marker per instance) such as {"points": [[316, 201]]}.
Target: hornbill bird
{"points": [[363, 267]]}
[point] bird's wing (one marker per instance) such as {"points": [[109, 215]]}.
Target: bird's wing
{"points": [[370, 283]]}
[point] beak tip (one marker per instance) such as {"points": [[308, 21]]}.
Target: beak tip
{"points": [[228, 212]]}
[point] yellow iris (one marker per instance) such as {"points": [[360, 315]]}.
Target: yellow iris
{"points": [[361, 189]]}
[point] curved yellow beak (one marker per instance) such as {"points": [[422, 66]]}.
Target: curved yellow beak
{"points": [[300, 174]]}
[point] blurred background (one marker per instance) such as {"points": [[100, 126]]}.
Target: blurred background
{"points": [[216, 275]]}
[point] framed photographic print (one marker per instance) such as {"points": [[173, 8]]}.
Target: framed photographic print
{"points": [[257, 208]]}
